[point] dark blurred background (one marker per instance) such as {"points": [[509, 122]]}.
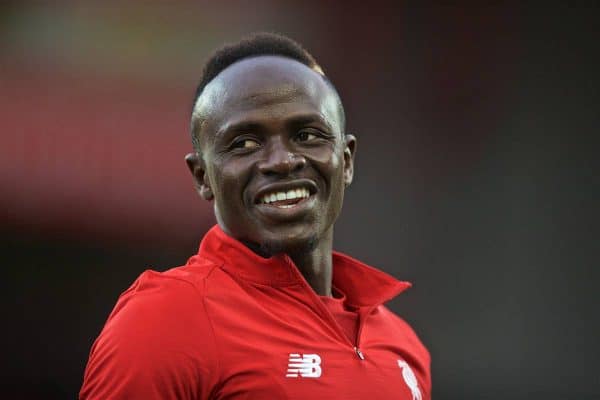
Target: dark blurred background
{"points": [[476, 175]]}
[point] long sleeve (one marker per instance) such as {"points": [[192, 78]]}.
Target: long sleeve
{"points": [[157, 344]]}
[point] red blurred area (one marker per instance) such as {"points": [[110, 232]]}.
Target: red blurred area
{"points": [[88, 154]]}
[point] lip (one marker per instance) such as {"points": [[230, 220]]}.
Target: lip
{"points": [[278, 214], [300, 209], [284, 187]]}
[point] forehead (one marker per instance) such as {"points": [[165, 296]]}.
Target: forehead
{"points": [[267, 87]]}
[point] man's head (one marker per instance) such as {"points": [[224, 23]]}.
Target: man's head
{"points": [[271, 150]]}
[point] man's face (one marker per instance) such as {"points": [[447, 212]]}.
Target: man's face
{"points": [[274, 154]]}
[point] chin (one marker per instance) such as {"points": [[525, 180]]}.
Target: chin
{"points": [[288, 244]]}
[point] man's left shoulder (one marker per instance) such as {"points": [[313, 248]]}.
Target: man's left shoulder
{"points": [[392, 323]]}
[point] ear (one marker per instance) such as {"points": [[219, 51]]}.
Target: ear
{"points": [[349, 151], [197, 167]]}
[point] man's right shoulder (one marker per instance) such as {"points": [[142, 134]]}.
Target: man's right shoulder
{"points": [[193, 275], [174, 287], [158, 342]]}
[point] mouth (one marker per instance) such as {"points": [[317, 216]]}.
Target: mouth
{"points": [[289, 196], [285, 199]]}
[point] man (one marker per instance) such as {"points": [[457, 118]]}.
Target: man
{"points": [[266, 309]]}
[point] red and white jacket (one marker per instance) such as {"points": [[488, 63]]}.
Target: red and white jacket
{"points": [[233, 325]]}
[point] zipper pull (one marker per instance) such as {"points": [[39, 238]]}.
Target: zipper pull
{"points": [[359, 353]]}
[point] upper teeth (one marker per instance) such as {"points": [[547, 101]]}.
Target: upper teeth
{"points": [[300, 193]]}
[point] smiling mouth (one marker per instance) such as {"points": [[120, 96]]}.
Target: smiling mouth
{"points": [[285, 199]]}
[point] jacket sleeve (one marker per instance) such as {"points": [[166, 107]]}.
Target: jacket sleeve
{"points": [[157, 343]]}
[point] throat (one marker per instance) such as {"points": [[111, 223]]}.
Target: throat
{"points": [[316, 268], [313, 259]]}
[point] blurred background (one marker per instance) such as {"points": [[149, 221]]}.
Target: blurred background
{"points": [[476, 175]]}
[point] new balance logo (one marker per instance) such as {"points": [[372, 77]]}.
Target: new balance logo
{"points": [[305, 366]]}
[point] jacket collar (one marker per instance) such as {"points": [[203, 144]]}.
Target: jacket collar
{"points": [[364, 286]]}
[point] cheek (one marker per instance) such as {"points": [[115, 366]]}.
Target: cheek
{"points": [[328, 161], [229, 181], [330, 165]]}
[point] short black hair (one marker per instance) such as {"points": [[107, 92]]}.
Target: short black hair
{"points": [[257, 44]]}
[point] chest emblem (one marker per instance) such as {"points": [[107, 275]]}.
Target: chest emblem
{"points": [[304, 365], [410, 379]]}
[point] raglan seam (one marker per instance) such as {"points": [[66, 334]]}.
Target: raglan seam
{"points": [[212, 329]]}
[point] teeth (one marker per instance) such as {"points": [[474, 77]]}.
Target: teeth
{"points": [[300, 193]]}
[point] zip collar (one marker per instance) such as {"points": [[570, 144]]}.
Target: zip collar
{"points": [[363, 285]]}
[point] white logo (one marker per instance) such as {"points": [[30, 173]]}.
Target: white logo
{"points": [[410, 379], [305, 365]]}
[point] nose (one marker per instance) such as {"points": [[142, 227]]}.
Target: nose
{"points": [[280, 160]]}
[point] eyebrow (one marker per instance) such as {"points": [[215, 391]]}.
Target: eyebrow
{"points": [[241, 126], [254, 125]]}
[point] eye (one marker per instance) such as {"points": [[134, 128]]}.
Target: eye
{"points": [[245, 144], [305, 136]]}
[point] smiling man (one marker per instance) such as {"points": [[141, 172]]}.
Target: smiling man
{"points": [[266, 309]]}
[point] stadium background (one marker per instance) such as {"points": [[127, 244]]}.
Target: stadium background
{"points": [[476, 175]]}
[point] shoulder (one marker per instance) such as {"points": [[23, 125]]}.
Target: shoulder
{"points": [[174, 284], [157, 302], [412, 349], [193, 275], [406, 332], [157, 340]]}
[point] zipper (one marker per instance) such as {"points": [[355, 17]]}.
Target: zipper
{"points": [[359, 353], [324, 313], [362, 316]]}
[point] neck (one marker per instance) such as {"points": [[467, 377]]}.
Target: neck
{"points": [[316, 265]]}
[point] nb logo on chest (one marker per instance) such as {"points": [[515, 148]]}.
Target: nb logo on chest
{"points": [[304, 366]]}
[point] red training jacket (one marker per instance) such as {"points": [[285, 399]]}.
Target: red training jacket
{"points": [[233, 325]]}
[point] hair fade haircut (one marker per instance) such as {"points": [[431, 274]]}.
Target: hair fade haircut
{"points": [[257, 44]]}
